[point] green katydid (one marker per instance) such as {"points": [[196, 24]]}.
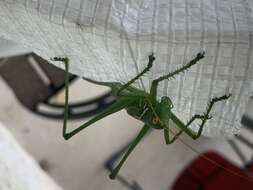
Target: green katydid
{"points": [[143, 106]]}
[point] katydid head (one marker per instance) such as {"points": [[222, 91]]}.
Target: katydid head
{"points": [[156, 116], [166, 102], [162, 113]]}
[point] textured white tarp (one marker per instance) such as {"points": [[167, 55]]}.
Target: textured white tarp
{"points": [[110, 40]]}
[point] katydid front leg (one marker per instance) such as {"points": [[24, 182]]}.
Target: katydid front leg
{"points": [[206, 116], [150, 64], [166, 131]]}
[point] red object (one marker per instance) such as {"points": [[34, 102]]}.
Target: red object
{"points": [[204, 174]]}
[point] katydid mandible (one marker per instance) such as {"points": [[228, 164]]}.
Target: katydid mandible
{"points": [[144, 106]]}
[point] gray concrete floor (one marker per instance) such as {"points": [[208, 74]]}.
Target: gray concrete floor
{"points": [[77, 164]]}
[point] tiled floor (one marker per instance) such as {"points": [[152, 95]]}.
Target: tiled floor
{"points": [[77, 164]]}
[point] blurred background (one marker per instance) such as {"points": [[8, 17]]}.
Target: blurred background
{"points": [[32, 96]]}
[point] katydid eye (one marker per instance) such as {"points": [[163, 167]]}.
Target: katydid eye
{"points": [[155, 120]]}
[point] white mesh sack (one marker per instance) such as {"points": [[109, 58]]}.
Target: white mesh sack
{"points": [[110, 40]]}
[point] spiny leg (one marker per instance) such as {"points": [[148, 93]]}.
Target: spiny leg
{"points": [[141, 134], [203, 118], [150, 64], [154, 85], [176, 135], [120, 104], [166, 131]]}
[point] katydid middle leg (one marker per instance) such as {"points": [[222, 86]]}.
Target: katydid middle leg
{"points": [[141, 134], [154, 85]]}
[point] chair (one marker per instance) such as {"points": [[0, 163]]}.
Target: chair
{"points": [[34, 82]]}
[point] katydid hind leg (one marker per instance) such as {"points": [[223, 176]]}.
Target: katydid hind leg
{"points": [[66, 80], [141, 134], [120, 104]]}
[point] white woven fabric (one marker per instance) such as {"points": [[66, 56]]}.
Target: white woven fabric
{"points": [[110, 40]]}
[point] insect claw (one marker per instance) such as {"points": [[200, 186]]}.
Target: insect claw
{"points": [[228, 96], [63, 59], [151, 58], [66, 136], [201, 55]]}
